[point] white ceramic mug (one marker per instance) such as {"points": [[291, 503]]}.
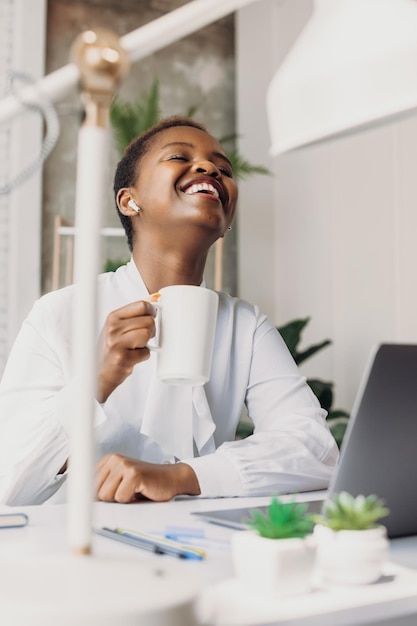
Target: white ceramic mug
{"points": [[186, 326]]}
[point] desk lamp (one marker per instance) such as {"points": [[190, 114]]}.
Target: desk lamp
{"points": [[354, 64]]}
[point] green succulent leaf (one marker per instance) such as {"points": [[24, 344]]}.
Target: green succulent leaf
{"points": [[283, 520], [346, 512]]}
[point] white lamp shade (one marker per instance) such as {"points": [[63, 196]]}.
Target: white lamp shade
{"points": [[354, 64]]}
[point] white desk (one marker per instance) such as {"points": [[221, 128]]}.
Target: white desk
{"points": [[392, 601]]}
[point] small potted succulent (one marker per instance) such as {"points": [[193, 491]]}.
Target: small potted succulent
{"points": [[276, 556], [352, 547]]}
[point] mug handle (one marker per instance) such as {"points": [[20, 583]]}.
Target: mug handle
{"points": [[155, 347]]}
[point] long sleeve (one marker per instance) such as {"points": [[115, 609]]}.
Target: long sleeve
{"points": [[291, 448], [36, 394], [33, 443]]}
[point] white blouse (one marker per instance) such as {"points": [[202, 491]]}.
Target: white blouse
{"points": [[291, 448]]}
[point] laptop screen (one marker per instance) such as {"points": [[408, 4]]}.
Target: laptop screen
{"points": [[378, 454]]}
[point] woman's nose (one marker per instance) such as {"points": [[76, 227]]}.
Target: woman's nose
{"points": [[207, 167]]}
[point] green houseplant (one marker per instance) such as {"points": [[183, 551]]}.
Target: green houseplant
{"points": [[291, 332], [276, 556], [323, 390], [352, 547]]}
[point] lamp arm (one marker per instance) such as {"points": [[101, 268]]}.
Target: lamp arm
{"points": [[138, 44]]}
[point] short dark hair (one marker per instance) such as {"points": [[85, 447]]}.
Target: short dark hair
{"points": [[127, 169]]}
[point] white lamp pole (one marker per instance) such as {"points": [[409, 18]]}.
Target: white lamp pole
{"points": [[102, 63]]}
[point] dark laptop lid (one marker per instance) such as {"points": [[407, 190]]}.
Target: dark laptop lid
{"points": [[379, 451], [378, 454]]}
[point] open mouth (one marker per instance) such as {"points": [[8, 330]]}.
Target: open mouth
{"points": [[204, 187]]}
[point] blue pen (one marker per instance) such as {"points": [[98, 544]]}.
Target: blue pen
{"points": [[153, 545], [163, 542], [166, 546]]}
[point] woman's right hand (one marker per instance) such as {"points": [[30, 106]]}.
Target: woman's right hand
{"points": [[122, 344]]}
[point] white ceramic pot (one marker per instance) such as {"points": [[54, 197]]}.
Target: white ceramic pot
{"points": [[279, 567], [351, 557]]}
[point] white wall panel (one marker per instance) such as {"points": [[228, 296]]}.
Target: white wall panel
{"points": [[255, 220], [344, 224], [22, 50], [6, 48]]}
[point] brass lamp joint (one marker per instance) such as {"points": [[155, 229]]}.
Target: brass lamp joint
{"points": [[102, 63]]}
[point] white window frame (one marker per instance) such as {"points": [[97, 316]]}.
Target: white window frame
{"points": [[24, 204]]}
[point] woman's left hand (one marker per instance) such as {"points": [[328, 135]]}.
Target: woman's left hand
{"points": [[122, 479]]}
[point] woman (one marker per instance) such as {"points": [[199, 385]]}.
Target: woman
{"points": [[176, 196]]}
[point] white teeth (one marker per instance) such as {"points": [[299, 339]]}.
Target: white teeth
{"points": [[202, 187]]}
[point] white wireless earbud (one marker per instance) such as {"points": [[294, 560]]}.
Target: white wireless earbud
{"points": [[133, 205]]}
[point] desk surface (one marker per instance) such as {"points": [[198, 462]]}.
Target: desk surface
{"points": [[221, 600]]}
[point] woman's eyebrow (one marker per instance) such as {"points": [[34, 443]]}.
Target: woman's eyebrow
{"points": [[178, 143], [219, 155]]}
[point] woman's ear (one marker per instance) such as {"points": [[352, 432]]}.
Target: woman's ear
{"points": [[126, 203]]}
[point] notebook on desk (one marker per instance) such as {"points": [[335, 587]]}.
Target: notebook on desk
{"points": [[379, 451]]}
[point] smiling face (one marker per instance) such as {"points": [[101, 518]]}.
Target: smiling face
{"points": [[184, 180]]}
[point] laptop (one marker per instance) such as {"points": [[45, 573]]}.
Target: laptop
{"points": [[379, 451]]}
